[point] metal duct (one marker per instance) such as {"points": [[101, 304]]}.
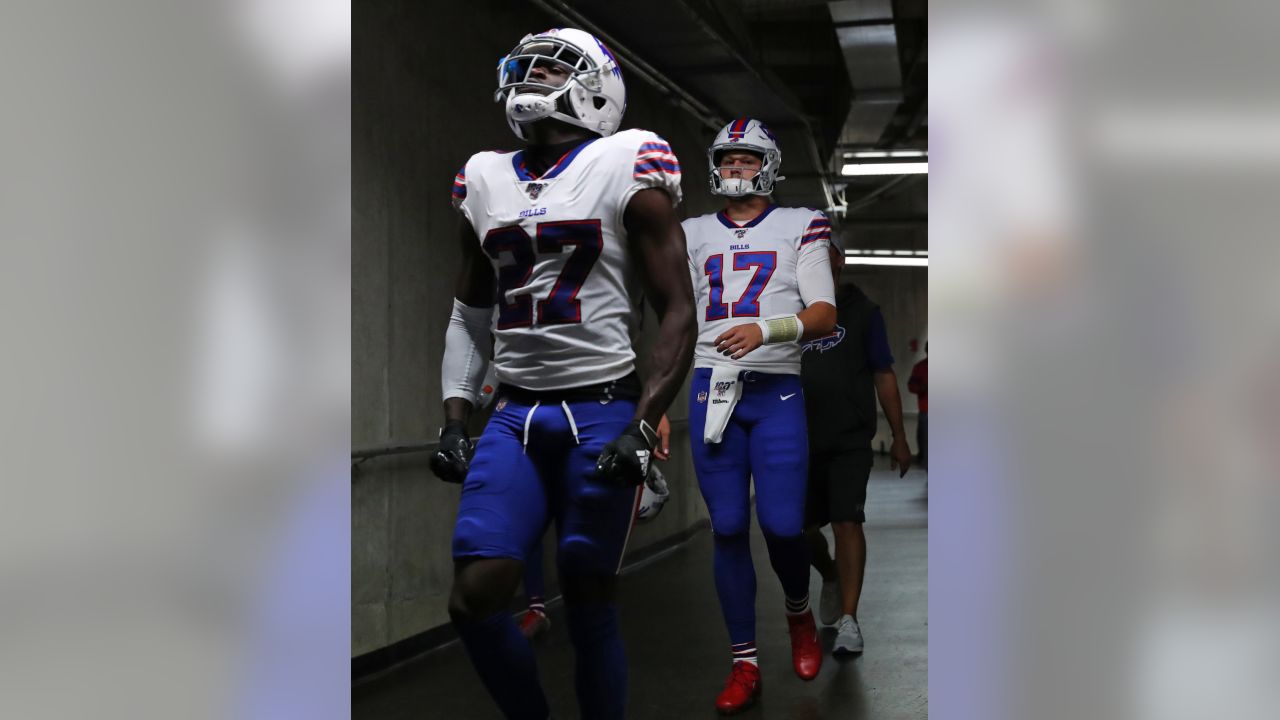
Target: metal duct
{"points": [[869, 41]]}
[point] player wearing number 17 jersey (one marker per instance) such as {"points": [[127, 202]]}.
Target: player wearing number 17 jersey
{"points": [[763, 284], [559, 236]]}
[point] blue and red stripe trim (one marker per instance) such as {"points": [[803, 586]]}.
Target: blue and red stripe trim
{"points": [[460, 184], [522, 172], [729, 223], [819, 229], [655, 157]]}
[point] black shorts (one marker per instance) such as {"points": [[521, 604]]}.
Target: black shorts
{"points": [[838, 487]]}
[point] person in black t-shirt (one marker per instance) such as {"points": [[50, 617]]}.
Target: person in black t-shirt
{"points": [[843, 374]]}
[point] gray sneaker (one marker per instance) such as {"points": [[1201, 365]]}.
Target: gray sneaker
{"points": [[848, 637], [829, 604]]}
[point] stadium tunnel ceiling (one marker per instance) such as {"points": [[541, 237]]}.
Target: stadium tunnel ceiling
{"points": [[828, 77]]}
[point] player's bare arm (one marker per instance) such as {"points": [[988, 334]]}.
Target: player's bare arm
{"points": [[886, 382], [658, 247]]}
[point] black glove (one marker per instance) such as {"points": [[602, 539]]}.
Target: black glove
{"points": [[625, 460], [452, 457]]}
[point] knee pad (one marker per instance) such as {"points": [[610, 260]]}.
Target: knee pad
{"points": [[579, 555], [781, 523], [731, 524]]}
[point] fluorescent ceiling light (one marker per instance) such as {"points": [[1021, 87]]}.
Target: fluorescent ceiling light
{"points": [[886, 153], [896, 261], [917, 168]]}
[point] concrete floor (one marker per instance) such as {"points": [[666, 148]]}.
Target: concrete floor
{"points": [[678, 648]]}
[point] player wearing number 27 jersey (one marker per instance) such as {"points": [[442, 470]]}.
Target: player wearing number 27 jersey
{"points": [[763, 284], [558, 236], [559, 248]]}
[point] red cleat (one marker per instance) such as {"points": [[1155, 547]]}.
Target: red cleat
{"points": [[740, 690], [534, 622], [806, 652]]}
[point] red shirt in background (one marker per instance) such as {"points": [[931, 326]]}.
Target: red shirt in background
{"points": [[919, 383]]}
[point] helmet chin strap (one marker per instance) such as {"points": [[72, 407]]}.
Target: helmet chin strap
{"points": [[530, 107], [736, 187], [740, 187]]}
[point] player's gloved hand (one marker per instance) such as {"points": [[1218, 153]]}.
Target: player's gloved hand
{"points": [[625, 460], [452, 457]]}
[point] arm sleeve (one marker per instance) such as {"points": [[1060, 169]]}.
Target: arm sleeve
{"points": [[655, 166], [813, 274], [879, 357], [465, 358]]}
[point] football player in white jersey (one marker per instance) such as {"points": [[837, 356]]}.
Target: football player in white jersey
{"points": [[763, 285], [559, 234]]}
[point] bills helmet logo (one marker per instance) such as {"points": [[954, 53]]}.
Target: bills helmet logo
{"points": [[612, 60], [826, 342]]}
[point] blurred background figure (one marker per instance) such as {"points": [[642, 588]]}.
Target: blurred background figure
{"points": [[919, 386], [844, 373]]}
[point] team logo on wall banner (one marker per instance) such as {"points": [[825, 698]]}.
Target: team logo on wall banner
{"points": [[702, 397], [534, 190]]}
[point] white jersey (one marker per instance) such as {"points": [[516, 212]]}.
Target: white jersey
{"points": [[558, 248], [747, 272]]}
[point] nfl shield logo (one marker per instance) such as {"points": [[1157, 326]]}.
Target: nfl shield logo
{"points": [[702, 397], [534, 190]]}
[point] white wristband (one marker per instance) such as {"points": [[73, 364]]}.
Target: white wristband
{"points": [[782, 329]]}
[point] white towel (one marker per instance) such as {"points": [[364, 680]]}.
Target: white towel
{"points": [[722, 398]]}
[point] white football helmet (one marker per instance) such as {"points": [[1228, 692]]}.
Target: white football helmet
{"points": [[753, 136], [654, 495], [594, 97]]}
